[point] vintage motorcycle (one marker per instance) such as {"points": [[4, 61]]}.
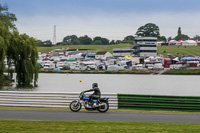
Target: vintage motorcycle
{"points": [[100, 104]]}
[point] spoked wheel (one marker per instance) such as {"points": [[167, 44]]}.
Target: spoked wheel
{"points": [[104, 107], [75, 106]]}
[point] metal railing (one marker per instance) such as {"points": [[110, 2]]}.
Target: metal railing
{"points": [[46, 99]]}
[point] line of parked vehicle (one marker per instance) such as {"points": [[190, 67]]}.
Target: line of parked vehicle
{"points": [[86, 64], [121, 63], [172, 63]]}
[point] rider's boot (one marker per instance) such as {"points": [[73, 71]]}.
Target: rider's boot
{"points": [[90, 103]]}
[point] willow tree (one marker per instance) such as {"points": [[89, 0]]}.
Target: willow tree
{"points": [[23, 52], [18, 49], [2, 57], [6, 28]]}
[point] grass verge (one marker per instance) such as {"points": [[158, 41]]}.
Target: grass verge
{"points": [[164, 50], [13, 126], [100, 72], [183, 72], [110, 110], [179, 50], [94, 48]]}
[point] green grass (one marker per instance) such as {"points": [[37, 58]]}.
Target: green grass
{"points": [[11, 126], [110, 110], [94, 48], [33, 108], [100, 72], [164, 50], [14, 126], [179, 50], [183, 72]]}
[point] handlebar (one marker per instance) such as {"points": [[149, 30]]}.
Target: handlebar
{"points": [[81, 93]]}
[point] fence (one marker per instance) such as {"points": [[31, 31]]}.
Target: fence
{"points": [[158, 102], [121, 101], [45, 99]]}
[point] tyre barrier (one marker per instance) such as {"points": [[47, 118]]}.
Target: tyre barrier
{"points": [[46, 99], [116, 101], [159, 102]]}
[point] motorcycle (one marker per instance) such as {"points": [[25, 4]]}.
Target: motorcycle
{"points": [[100, 104]]}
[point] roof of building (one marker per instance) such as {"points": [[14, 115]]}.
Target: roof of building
{"points": [[71, 59], [146, 38], [75, 52], [122, 49], [91, 54], [101, 53]]}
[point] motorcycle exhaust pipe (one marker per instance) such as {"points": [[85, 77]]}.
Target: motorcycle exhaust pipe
{"points": [[102, 106]]}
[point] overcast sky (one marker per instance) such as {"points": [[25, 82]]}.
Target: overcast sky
{"points": [[112, 19]]}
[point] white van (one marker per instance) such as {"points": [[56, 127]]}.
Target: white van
{"points": [[158, 66], [175, 66], [48, 66]]}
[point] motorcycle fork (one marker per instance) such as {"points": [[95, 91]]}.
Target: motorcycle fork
{"points": [[99, 102], [77, 102]]}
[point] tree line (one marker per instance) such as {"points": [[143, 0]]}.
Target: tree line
{"points": [[18, 49], [86, 40], [148, 30]]}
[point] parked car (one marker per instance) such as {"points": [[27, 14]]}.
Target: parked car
{"points": [[175, 66], [158, 66], [138, 67], [48, 67], [91, 67], [66, 67], [101, 67], [150, 67], [113, 68], [185, 66], [60, 67]]}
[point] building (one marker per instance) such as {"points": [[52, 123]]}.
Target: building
{"points": [[121, 52], [104, 55], [57, 52], [162, 44], [75, 54], [189, 43], [174, 42], [90, 55], [198, 43], [145, 46]]}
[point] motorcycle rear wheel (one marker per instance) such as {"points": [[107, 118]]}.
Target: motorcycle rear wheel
{"points": [[74, 106], [106, 107]]}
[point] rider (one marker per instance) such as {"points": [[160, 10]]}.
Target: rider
{"points": [[96, 94]]}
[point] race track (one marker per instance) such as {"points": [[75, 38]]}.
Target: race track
{"points": [[44, 115]]}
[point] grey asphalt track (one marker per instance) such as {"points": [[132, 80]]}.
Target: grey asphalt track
{"points": [[44, 115]]}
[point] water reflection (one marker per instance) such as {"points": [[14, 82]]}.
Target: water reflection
{"points": [[15, 87], [116, 83], [1, 87], [12, 88]]}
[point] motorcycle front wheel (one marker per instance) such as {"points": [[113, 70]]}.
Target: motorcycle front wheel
{"points": [[104, 107], [75, 106]]}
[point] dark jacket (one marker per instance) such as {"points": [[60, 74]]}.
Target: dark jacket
{"points": [[96, 90]]}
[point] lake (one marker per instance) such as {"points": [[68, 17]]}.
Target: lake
{"points": [[118, 83]]}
